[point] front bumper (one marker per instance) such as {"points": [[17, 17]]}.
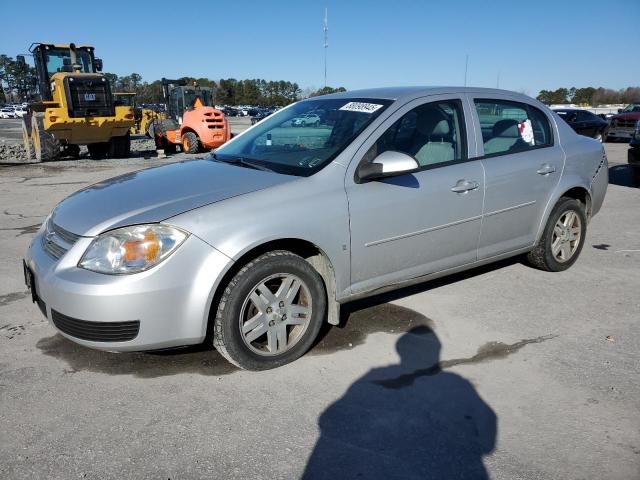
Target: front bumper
{"points": [[163, 307]]}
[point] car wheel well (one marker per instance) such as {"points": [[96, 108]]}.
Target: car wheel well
{"points": [[307, 250], [582, 195]]}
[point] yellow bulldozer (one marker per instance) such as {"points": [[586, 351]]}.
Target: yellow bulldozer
{"points": [[74, 106], [144, 117]]}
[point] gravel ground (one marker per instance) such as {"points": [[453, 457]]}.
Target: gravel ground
{"points": [[12, 149]]}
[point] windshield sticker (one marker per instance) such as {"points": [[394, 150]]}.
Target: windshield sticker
{"points": [[361, 107], [526, 132]]}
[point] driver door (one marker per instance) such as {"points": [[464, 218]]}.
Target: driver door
{"points": [[411, 225]]}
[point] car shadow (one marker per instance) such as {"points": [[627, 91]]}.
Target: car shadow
{"points": [[410, 420], [625, 175]]}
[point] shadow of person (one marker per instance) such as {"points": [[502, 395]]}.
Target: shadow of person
{"points": [[407, 421]]}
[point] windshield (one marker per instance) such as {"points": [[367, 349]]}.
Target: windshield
{"points": [[634, 107], [302, 139], [59, 60], [190, 96]]}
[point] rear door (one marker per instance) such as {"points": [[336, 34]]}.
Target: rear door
{"points": [[523, 163]]}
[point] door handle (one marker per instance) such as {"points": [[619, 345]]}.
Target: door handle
{"points": [[464, 186], [545, 169]]}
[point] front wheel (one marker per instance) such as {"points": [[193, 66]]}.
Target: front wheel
{"points": [[190, 143], [271, 312], [562, 239]]}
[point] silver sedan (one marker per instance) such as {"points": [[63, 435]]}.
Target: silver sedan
{"points": [[255, 247]]}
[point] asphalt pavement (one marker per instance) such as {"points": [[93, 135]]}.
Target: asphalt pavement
{"points": [[504, 372]]}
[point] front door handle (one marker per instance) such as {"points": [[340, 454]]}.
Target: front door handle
{"points": [[464, 186], [545, 169]]}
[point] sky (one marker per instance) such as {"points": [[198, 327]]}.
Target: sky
{"points": [[518, 45]]}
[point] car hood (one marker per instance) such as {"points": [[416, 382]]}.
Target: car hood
{"points": [[155, 194]]}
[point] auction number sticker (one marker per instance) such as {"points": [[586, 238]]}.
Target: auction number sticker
{"points": [[361, 107]]}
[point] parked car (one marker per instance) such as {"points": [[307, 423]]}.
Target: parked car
{"points": [[622, 125], [633, 155], [20, 111], [262, 242], [309, 119], [583, 122], [260, 115], [7, 112]]}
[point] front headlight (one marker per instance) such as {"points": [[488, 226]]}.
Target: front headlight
{"points": [[131, 249]]}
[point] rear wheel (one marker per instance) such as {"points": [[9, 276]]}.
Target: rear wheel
{"points": [[120, 147], [562, 239], [271, 312], [98, 151], [45, 146], [190, 143]]}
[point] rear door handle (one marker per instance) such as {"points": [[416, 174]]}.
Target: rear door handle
{"points": [[464, 186], [545, 169]]}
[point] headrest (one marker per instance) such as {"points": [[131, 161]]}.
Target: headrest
{"points": [[441, 128], [432, 122], [506, 128]]}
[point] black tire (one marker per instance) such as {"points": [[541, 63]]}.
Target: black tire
{"points": [[317, 124], [98, 151], [190, 143], [542, 256], [46, 147], [227, 336], [27, 140], [120, 147]]}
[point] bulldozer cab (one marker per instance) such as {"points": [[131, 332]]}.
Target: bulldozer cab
{"points": [[124, 99], [50, 59]]}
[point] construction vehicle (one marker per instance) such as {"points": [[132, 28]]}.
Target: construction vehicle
{"points": [[193, 123], [74, 106], [143, 117]]}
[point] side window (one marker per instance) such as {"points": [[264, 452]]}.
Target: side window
{"points": [[432, 133], [511, 127]]}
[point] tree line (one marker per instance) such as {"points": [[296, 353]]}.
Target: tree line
{"points": [[589, 96], [15, 86]]}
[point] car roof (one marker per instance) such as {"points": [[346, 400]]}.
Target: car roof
{"points": [[408, 93]]}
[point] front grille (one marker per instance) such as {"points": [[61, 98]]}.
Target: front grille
{"points": [[214, 119], [89, 96], [95, 331], [57, 241]]}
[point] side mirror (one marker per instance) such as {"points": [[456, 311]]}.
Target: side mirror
{"points": [[387, 164], [20, 60], [97, 64]]}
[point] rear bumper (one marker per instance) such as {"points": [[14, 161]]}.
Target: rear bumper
{"points": [[165, 306]]}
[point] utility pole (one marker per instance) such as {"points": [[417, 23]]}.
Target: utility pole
{"points": [[466, 67], [326, 44]]}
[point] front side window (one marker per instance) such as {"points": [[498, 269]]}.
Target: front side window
{"points": [[511, 127], [432, 133], [303, 138]]}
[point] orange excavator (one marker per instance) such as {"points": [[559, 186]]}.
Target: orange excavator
{"points": [[193, 123]]}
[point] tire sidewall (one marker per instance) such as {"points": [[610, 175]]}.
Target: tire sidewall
{"points": [[228, 314], [560, 209]]}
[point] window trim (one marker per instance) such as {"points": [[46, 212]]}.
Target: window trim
{"points": [[463, 135], [528, 108]]}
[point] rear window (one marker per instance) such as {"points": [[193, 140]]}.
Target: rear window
{"points": [[512, 127]]}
